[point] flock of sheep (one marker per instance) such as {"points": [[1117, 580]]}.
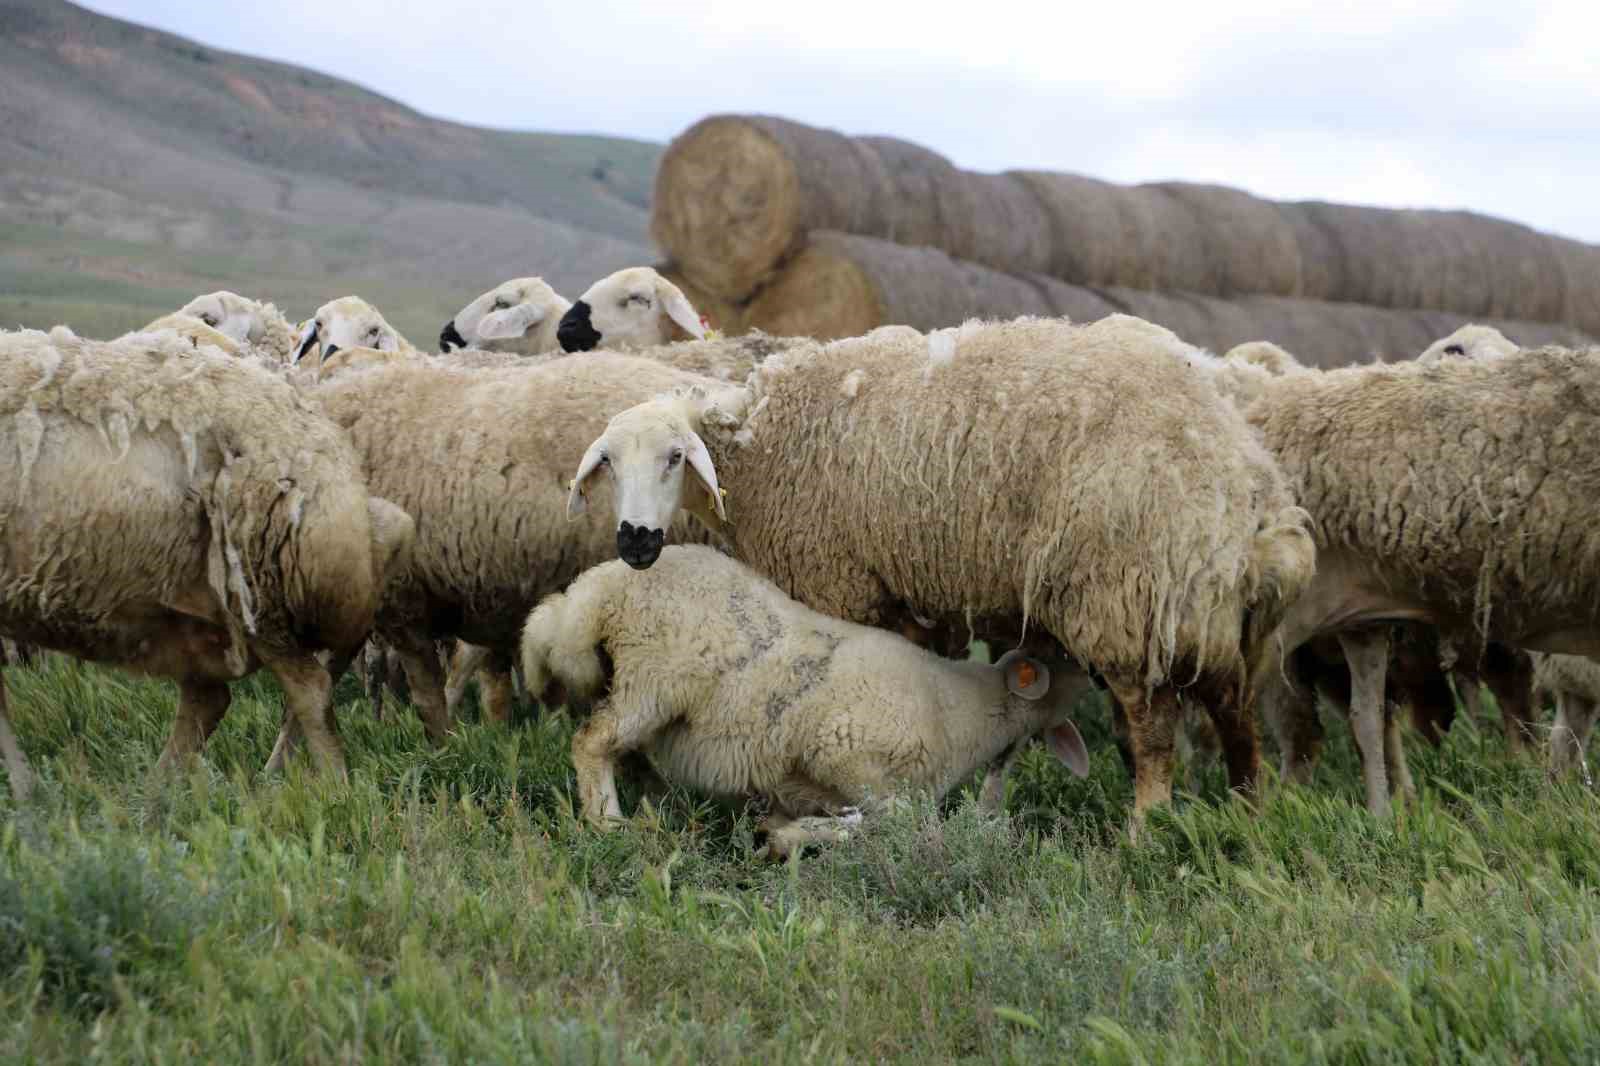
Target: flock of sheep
{"points": [[793, 543]]}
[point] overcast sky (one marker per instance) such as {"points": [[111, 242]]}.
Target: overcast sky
{"points": [[1490, 106]]}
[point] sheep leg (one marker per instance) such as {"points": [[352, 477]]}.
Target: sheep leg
{"points": [[308, 699], [201, 705], [1569, 738], [1368, 655], [992, 796], [1232, 715], [16, 763], [495, 688], [1394, 759], [785, 839], [1290, 708], [1470, 690], [425, 677], [465, 661], [375, 672], [1512, 686], [290, 735], [594, 757], [1153, 718]]}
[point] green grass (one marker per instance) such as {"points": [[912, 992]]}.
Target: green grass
{"points": [[446, 907]]}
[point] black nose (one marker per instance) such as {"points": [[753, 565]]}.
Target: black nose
{"points": [[448, 337], [576, 333], [329, 350], [638, 546]]}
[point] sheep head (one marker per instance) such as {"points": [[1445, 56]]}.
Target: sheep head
{"points": [[633, 308], [1470, 342], [657, 462], [507, 318], [1046, 695], [348, 322]]}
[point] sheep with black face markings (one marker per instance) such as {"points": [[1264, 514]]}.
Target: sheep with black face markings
{"points": [[630, 309], [519, 316], [184, 514], [997, 473], [732, 687]]}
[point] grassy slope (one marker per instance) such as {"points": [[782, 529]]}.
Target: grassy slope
{"points": [[445, 907], [138, 168]]}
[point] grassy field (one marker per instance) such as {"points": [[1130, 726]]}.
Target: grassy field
{"points": [[445, 907]]}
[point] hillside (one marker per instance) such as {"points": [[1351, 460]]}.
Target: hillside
{"points": [[138, 168]]}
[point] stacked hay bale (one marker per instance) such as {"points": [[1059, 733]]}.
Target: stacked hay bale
{"points": [[792, 229]]}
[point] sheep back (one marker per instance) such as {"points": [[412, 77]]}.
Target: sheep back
{"points": [[1089, 477], [1472, 483], [149, 474]]}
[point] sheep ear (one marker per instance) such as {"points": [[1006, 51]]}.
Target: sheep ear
{"points": [[700, 463], [577, 492], [512, 322], [308, 337], [1066, 744], [679, 309], [1026, 676]]}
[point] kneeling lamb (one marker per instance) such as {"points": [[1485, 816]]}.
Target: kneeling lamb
{"points": [[730, 686]]}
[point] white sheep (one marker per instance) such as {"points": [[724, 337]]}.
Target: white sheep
{"points": [[349, 322], [1470, 342], [480, 458], [630, 309], [1572, 683], [997, 473], [731, 687], [519, 316], [1458, 493], [182, 513]]}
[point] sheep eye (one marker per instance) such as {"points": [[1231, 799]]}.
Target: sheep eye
{"points": [[637, 298], [501, 305], [605, 460], [210, 320], [674, 459], [1454, 349]]}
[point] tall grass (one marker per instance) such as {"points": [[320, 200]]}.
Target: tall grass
{"points": [[445, 906]]}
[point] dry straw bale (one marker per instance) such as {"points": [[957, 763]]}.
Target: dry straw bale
{"points": [[843, 286], [737, 196]]}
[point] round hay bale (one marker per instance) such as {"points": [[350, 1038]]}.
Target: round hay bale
{"points": [[1249, 246], [932, 203], [842, 285], [1011, 231], [736, 194], [1076, 303]]}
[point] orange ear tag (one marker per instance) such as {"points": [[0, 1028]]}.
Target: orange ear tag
{"points": [[1027, 674]]}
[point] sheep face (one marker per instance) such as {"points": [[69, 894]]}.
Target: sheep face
{"points": [[230, 314], [1045, 691], [633, 308], [1470, 342], [348, 322], [645, 452], [506, 318]]}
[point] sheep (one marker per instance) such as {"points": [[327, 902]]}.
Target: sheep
{"points": [[198, 333], [479, 458], [995, 472], [632, 308], [1572, 683], [1470, 342], [730, 686], [349, 322], [177, 512], [519, 316], [1489, 537]]}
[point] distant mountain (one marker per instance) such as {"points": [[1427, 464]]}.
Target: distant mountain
{"points": [[138, 168]]}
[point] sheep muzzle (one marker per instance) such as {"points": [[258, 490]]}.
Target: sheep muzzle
{"points": [[576, 332], [637, 546], [450, 337]]}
